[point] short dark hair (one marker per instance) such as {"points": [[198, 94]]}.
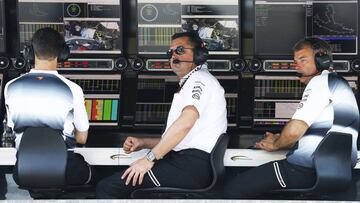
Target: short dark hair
{"points": [[314, 43], [193, 37], [47, 43]]}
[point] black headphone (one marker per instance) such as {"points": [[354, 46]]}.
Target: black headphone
{"points": [[322, 56], [29, 54], [201, 53]]}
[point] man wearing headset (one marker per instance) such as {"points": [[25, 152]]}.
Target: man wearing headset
{"points": [[327, 99], [180, 158], [44, 98]]}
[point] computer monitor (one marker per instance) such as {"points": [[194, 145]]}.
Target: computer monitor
{"points": [[89, 26], [102, 97], [335, 22], [216, 22], [280, 24], [218, 34]]}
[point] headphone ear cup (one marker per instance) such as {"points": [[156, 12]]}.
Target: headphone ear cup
{"points": [[201, 54], [29, 55], [322, 61], [64, 53]]}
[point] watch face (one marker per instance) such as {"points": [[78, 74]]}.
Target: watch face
{"points": [[150, 156]]}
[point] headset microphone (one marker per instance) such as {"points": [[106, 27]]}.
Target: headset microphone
{"points": [[177, 61]]}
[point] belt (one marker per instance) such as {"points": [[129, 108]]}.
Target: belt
{"points": [[194, 152]]}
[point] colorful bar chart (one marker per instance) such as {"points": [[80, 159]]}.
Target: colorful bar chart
{"points": [[102, 109]]}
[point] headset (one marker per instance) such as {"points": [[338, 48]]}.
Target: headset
{"points": [[29, 53], [201, 53], [322, 55]]}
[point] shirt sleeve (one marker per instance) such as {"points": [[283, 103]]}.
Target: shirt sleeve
{"points": [[197, 92], [9, 121], [313, 102], [81, 120]]}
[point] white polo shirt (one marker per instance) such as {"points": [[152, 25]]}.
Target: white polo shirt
{"points": [[328, 104], [203, 91], [45, 98]]}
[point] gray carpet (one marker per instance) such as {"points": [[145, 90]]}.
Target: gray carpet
{"points": [[14, 193]]}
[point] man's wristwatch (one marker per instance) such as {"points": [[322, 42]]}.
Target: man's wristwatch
{"points": [[151, 156]]}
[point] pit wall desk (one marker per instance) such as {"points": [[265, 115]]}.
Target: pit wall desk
{"points": [[117, 157]]}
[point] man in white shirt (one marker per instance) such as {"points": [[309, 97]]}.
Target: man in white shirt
{"points": [[44, 98], [180, 158], [328, 104]]}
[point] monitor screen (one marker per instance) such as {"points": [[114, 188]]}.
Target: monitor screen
{"points": [[217, 34], [102, 111], [102, 97], [280, 24], [2, 27], [335, 22], [217, 23], [89, 26]]}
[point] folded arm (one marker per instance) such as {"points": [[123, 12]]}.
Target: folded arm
{"points": [[291, 133]]}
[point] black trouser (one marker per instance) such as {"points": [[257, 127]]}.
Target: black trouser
{"points": [[270, 176], [77, 170], [184, 169], [3, 185]]}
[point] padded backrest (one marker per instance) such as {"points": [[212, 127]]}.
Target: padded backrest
{"points": [[332, 161], [41, 159], [217, 160]]}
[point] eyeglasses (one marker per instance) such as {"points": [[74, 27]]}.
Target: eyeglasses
{"points": [[180, 50]]}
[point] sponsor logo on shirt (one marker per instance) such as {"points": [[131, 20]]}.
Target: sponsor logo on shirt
{"points": [[196, 96], [197, 90], [304, 98]]}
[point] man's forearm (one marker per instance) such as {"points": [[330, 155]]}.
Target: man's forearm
{"points": [[150, 142], [176, 132], [291, 133], [81, 136], [284, 142]]}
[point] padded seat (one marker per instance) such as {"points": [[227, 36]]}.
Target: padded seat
{"points": [[332, 161], [41, 166], [211, 191]]}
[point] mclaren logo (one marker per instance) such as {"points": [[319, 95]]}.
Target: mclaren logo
{"points": [[300, 105], [197, 90], [119, 156], [39, 78], [196, 96]]}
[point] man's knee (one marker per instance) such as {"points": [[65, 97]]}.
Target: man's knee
{"points": [[113, 187], [106, 190], [78, 172]]}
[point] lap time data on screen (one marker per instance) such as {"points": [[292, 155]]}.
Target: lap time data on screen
{"points": [[333, 21]]}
